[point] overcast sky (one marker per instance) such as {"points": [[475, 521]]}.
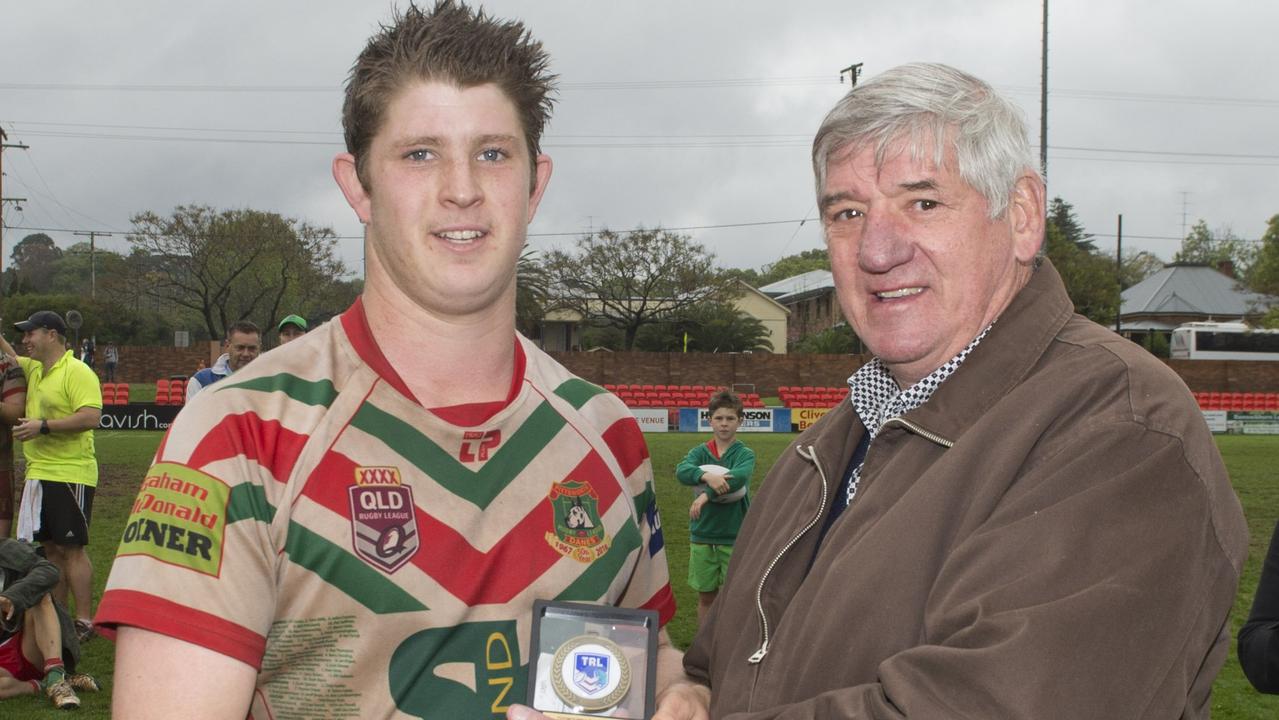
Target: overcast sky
{"points": [[679, 114]]}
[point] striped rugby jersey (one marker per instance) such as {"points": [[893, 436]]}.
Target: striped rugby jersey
{"points": [[307, 516]]}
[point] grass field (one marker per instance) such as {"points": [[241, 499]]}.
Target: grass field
{"points": [[124, 457]]}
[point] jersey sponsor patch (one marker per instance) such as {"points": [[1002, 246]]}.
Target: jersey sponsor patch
{"points": [[477, 444], [179, 518], [383, 519], [472, 670], [579, 532]]}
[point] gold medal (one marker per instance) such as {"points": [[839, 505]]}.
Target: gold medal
{"points": [[590, 672]]}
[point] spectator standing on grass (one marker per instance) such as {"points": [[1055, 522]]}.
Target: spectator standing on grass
{"points": [[64, 405], [399, 493], [243, 343], [1017, 513], [291, 328], [721, 497], [39, 649], [13, 405], [87, 351], [111, 359], [1259, 637]]}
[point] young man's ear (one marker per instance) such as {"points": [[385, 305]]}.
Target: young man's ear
{"points": [[348, 179], [1026, 216], [541, 178]]}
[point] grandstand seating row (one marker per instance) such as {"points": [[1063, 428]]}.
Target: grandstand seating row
{"points": [[170, 392], [167, 392], [807, 396], [115, 393], [1238, 402]]}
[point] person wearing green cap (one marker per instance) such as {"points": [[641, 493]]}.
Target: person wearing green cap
{"points": [[291, 328]]}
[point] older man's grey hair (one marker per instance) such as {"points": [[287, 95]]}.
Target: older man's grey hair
{"points": [[929, 105]]}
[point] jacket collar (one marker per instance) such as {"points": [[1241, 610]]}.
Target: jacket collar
{"points": [[1004, 358]]}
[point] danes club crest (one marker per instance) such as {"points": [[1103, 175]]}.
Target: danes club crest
{"points": [[383, 521], [579, 531]]}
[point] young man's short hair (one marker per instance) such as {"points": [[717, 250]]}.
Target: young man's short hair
{"points": [[244, 327], [451, 43], [725, 399]]}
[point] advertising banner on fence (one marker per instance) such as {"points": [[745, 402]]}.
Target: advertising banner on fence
{"points": [[137, 417], [1242, 422], [1216, 420], [803, 418], [753, 420], [651, 419], [1253, 423]]}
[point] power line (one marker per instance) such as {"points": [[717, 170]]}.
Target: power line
{"points": [[797, 80], [577, 233], [647, 141]]}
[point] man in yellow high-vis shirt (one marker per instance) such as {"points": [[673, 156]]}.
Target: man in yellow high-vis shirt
{"points": [[64, 404]]}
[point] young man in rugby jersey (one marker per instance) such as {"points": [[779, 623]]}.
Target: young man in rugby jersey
{"points": [[360, 529]]}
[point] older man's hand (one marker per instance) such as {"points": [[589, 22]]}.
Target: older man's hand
{"points": [[684, 701], [681, 701]]}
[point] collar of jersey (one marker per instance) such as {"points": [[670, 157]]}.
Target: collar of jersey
{"points": [[356, 327]]}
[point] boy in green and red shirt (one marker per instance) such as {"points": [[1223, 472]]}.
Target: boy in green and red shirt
{"points": [[722, 500]]}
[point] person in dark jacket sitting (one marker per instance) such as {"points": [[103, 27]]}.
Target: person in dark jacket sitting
{"points": [[1259, 637], [38, 643]]}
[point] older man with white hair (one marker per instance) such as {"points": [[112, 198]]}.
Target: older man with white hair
{"points": [[1018, 513]]}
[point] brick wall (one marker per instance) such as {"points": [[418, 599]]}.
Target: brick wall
{"points": [[140, 364], [767, 371], [1228, 375]]}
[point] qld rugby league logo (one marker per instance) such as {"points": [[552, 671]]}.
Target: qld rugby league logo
{"points": [[579, 531], [383, 521]]}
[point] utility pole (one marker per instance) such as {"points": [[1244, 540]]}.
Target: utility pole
{"points": [[93, 270], [854, 71], [1043, 101], [1119, 269], [4, 199]]}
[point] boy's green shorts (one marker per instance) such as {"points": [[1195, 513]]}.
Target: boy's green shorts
{"points": [[707, 565]]}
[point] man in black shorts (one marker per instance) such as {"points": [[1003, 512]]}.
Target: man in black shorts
{"points": [[64, 404]]}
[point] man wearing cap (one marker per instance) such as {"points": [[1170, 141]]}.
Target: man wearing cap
{"points": [[242, 344], [291, 328], [64, 404]]}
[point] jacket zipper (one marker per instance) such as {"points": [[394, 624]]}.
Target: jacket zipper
{"points": [[926, 434], [811, 456]]}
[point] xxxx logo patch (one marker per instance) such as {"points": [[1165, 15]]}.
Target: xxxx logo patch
{"points": [[579, 531], [383, 521]]}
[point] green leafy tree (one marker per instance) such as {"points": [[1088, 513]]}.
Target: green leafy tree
{"points": [[1263, 276], [531, 293], [1062, 215], [1089, 277], [33, 262], [711, 327], [84, 270], [1138, 266], [838, 340], [1206, 247], [230, 265], [793, 265], [629, 280]]}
